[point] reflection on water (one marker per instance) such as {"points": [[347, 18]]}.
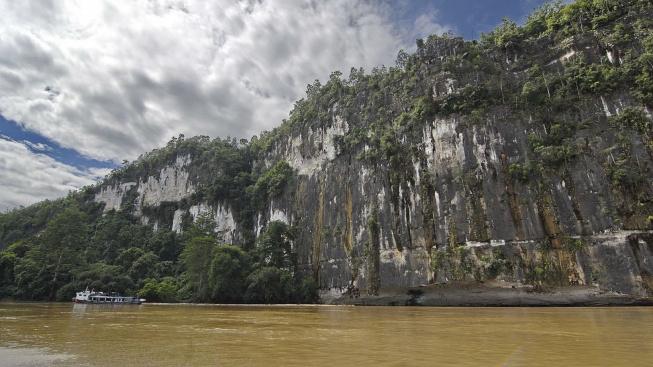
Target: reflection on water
{"points": [[24, 357], [185, 335]]}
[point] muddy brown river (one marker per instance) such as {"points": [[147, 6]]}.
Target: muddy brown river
{"points": [[58, 334]]}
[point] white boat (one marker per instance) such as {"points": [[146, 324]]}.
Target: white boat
{"points": [[106, 298]]}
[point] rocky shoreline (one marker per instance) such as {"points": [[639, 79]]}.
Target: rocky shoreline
{"points": [[486, 294]]}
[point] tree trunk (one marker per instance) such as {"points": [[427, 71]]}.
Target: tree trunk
{"points": [[56, 274]]}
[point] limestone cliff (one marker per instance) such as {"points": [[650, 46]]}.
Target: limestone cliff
{"points": [[527, 163]]}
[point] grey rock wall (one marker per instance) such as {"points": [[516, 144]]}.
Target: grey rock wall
{"points": [[467, 199], [454, 212]]}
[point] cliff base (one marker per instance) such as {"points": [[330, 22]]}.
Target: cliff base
{"points": [[487, 294]]}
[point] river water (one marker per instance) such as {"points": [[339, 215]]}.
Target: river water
{"points": [[57, 334]]}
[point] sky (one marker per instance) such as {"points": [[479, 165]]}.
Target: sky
{"points": [[86, 85]]}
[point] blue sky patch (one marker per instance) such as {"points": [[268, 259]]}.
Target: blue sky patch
{"points": [[10, 130]]}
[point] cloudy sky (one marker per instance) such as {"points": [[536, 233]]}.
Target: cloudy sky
{"points": [[86, 84]]}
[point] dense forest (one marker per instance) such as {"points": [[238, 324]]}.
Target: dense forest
{"points": [[52, 249]]}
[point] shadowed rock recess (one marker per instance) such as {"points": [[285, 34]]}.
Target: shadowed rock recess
{"points": [[514, 170]]}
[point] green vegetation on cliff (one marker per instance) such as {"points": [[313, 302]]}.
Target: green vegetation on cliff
{"points": [[555, 72]]}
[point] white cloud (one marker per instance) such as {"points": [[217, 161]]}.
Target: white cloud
{"points": [[425, 25], [28, 177], [38, 146], [113, 79]]}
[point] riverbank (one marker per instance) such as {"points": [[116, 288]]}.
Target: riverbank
{"points": [[489, 293]]}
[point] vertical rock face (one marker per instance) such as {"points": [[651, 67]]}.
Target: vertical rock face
{"points": [[457, 215], [412, 183], [113, 195], [461, 196], [172, 183]]}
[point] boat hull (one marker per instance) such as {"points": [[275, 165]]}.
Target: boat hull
{"points": [[131, 302], [106, 298]]}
